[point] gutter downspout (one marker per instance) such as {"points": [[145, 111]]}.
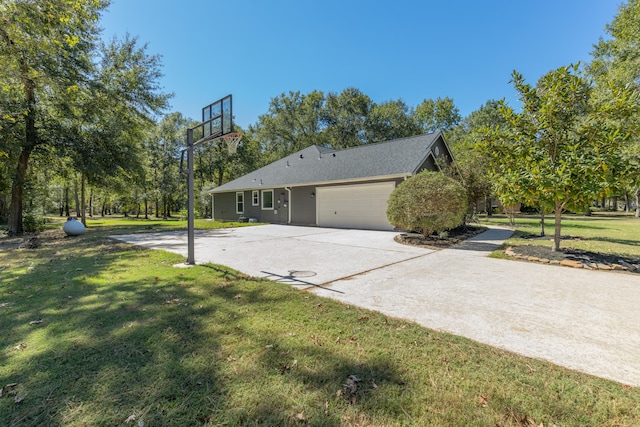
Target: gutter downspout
{"points": [[288, 204]]}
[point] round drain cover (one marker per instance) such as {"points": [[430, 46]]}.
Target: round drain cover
{"points": [[295, 273]]}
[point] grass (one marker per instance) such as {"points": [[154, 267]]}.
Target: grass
{"points": [[120, 336], [606, 233]]}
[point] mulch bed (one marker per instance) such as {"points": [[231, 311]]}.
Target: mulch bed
{"points": [[567, 257], [436, 242]]}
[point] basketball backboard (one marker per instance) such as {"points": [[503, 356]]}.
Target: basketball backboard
{"points": [[217, 120]]}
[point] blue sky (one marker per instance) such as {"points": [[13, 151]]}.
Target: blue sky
{"points": [[412, 50]]}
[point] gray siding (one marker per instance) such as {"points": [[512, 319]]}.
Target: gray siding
{"points": [[428, 164], [224, 207], [303, 206]]}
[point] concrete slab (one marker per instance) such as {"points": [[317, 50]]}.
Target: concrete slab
{"points": [[584, 320], [580, 319], [300, 256]]}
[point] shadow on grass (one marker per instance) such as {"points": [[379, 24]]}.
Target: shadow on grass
{"points": [[116, 339]]}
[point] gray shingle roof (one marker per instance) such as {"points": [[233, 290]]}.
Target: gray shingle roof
{"points": [[315, 165]]}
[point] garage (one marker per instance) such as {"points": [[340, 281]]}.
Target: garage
{"points": [[354, 206]]}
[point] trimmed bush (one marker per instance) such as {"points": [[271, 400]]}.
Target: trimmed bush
{"points": [[427, 203]]}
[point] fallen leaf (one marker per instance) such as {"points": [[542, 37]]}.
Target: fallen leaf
{"points": [[238, 296], [483, 401], [20, 346], [300, 416], [130, 418], [7, 388], [18, 399], [35, 322]]}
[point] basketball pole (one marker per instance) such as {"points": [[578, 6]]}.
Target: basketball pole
{"points": [[190, 196]]}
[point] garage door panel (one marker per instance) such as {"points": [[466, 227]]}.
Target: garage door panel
{"points": [[355, 206]]}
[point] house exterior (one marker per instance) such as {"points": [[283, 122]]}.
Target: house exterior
{"points": [[330, 188]]}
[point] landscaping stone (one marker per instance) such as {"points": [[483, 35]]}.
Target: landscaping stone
{"points": [[571, 263]]}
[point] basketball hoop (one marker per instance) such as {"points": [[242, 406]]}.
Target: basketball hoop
{"points": [[232, 139]]}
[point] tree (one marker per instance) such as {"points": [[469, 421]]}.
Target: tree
{"points": [[470, 163], [389, 120], [616, 62], [292, 123], [428, 202], [344, 118], [45, 48], [112, 114], [441, 114], [163, 149], [562, 149]]}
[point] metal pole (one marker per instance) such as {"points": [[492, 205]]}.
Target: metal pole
{"points": [[190, 205]]}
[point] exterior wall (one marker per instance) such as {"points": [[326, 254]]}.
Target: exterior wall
{"points": [[280, 212], [428, 164], [224, 207], [303, 206]]}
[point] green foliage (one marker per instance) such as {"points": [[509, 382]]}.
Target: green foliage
{"points": [[441, 114], [562, 150], [390, 120], [344, 118], [471, 163], [428, 202], [32, 222], [616, 64]]}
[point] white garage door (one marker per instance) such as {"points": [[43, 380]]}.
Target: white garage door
{"points": [[355, 206]]}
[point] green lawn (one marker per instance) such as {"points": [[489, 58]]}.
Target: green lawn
{"points": [[602, 232], [94, 332]]}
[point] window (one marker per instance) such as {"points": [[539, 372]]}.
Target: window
{"points": [[240, 202], [267, 199], [255, 198]]}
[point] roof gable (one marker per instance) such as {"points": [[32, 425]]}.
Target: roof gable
{"points": [[315, 165]]}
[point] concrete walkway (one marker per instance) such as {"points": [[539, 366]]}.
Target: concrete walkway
{"points": [[585, 320]]}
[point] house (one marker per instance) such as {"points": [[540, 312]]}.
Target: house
{"points": [[330, 188]]}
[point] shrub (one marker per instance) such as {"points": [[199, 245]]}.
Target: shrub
{"points": [[427, 203], [33, 223]]}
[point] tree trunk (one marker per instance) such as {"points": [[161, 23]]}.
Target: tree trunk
{"points": [[558, 221], [17, 193], [76, 197], [542, 222], [82, 200], [627, 202], [91, 202], [30, 141], [66, 201], [637, 202], [146, 208]]}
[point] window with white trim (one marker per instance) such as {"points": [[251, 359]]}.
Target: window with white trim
{"points": [[267, 200], [255, 198], [240, 202]]}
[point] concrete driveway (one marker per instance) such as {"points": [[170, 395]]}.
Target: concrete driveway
{"points": [[584, 320]]}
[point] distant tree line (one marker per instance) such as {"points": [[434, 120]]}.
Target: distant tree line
{"points": [[84, 127]]}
